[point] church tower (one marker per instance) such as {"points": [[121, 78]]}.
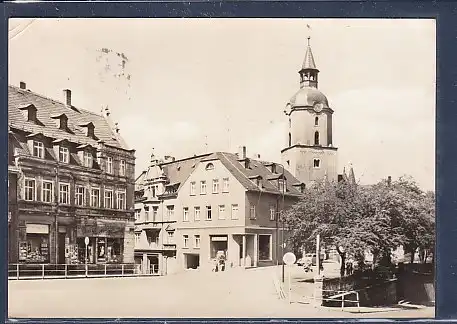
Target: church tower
{"points": [[309, 153]]}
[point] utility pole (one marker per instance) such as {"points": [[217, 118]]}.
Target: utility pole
{"points": [[281, 213]]}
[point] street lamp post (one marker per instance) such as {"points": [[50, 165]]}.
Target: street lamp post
{"points": [[280, 213]]}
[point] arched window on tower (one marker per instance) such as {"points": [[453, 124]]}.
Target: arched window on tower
{"points": [[316, 121], [290, 139], [316, 138]]}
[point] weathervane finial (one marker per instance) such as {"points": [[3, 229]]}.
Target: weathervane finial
{"points": [[309, 37]]}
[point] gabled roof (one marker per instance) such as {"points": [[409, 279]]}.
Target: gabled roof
{"points": [[48, 108], [178, 171]]}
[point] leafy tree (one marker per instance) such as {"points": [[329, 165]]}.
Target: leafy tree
{"points": [[356, 219]]}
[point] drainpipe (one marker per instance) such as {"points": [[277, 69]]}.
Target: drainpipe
{"points": [[56, 170]]}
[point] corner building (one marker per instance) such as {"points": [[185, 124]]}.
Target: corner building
{"points": [[71, 176], [309, 153], [215, 203]]}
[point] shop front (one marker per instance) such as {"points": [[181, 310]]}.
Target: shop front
{"points": [[34, 247], [106, 241]]}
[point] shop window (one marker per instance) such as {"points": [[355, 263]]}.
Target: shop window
{"points": [[122, 168], [265, 247], [215, 186], [80, 195], [64, 154], [121, 202], [197, 213], [38, 149], [235, 211], [64, 193], [46, 195], [108, 198], [35, 249], [30, 189]]}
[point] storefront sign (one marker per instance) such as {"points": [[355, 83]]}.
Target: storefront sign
{"points": [[219, 238], [37, 229]]}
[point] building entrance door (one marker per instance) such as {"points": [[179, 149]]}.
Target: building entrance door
{"points": [[61, 243]]}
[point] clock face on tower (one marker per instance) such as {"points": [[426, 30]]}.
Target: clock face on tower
{"points": [[318, 107]]}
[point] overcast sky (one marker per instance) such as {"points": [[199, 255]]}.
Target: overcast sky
{"points": [[225, 82]]}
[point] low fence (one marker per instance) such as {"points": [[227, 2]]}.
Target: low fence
{"points": [[66, 271]]}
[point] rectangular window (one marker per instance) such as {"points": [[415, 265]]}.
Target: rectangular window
{"points": [[137, 214], [208, 213], [265, 247], [30, 189], [192, 188], [185, 241], [95, 197], [64, 154], [197, 213], [197, 242], [215, 186], [38, 149], [221, 212], [64, 193], [154, 214], [235, 211], [46, 194], [281, 185], [185, 214], [170, 237], [225, 185], [121, 200], [109, 165], [317, 163], [272, 213], [171, 212], [122, 168], [108, 198], [137, 238], [88, 159], [252, 213], [202, 187], [80, 196], [146, 213]]}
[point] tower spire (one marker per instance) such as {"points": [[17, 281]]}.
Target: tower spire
{"points": [[309, 71]]}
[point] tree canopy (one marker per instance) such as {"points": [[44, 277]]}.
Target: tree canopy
{"points": [[376, 218]]}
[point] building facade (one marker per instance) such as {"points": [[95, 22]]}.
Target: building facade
{"points": [[309, 153], [71, 176], [214, 204]]}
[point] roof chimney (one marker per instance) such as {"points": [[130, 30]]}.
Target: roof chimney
{"points": [[389, 180], [67, 97], [242, 152], [22, 85]]}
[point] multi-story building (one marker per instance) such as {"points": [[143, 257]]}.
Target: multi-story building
{"points": [[190, 210], [74, 177]]}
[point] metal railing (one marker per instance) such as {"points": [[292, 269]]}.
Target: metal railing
{"points": [[66, 271]]}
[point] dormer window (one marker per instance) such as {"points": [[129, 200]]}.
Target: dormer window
{"points": [[64, 154], [61, 120], [281, 185], [29, 112], [38, 149], [209, 167], [88, 159], [89, 129]]}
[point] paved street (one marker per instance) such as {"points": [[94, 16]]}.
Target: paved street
{"points": [[235, 293]]}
